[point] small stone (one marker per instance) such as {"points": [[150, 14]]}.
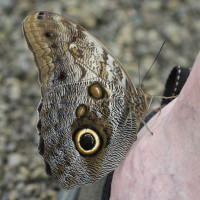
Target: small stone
{"points": [[196, 25], [13, 195], [7, 4], [32, 189], [2, 143], [171, 31], [20, 186], [172, 5], [153, 35], [14, 160], [38, 172], [125, 35], [24, 171], [87, 19], [14, 88], [140, 35], [51, 194], [152, 5], [10, 146]]}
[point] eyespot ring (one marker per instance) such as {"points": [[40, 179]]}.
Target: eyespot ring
{"points": [[81, 133]]}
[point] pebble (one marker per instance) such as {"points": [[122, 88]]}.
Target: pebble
{"points": [[14, 159], [38, 172], [171, 31], [13, 195], [2, 143], [25, 172], [125, 34], [32, 189]]}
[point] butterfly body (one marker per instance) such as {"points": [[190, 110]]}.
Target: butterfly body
{"points": [[90, 110]]}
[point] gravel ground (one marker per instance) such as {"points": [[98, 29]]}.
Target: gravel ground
{"points": [[130, 29]]}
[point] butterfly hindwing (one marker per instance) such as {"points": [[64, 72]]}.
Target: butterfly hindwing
{"points": [[86, 126]]}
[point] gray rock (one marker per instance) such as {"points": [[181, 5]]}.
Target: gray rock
{"points": [[32, 189], [13, 195], [14, 159]]}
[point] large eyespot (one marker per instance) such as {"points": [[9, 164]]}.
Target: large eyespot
{"points": [[98, 91], [81, 110], [48, 34], [62, 76], [87, 141]]}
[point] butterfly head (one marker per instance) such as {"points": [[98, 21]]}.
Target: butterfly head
{"points": [[138, 103]]}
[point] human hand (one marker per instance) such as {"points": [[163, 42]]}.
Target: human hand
{"points": [[165, 165]]}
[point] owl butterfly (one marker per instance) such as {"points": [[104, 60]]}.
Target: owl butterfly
{"points": [[90, 110]]}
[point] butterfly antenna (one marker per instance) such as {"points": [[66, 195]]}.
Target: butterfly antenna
{"points": [[146, 125], [153, 62], [159, 108]]}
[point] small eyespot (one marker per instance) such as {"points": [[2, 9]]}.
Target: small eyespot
{"points": [[87, 141], [81, 110], [62, 76], [98, 91], [48, 34]]}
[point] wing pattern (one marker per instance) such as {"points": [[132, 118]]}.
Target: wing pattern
{"points": [[84, 95]]}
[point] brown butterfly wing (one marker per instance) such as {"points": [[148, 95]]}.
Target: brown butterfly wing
{"points": [[85, 97]]}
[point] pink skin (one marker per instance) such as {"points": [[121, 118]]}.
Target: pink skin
{"points": [[165, 165]]}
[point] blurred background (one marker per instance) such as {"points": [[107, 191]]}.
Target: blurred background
{"points": [[133, 30]]}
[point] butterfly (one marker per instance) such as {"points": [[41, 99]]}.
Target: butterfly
{"points": [[90, 110]]}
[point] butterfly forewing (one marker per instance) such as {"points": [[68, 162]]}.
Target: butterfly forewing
{"points": [[86, 124]]}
